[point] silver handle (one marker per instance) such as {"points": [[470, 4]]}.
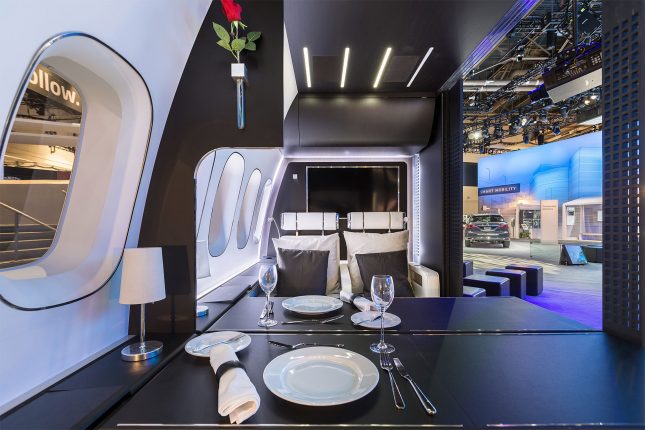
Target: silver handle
{"points": [[398, 398], [425, 402]]}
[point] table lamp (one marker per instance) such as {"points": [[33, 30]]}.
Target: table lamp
{"points": [[142, 281]]}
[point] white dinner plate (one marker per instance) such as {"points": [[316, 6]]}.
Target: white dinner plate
{"points": [[208, 338], [320, 376], [389, 320], [312, 305]]}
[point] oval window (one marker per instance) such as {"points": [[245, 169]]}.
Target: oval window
{"points": [[226, 196], [248, 209]]}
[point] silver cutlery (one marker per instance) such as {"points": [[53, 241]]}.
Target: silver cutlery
{"points": [[425, 402], [298, 345], [386, 364], [367, 320], [320, 321], [208, 345]]}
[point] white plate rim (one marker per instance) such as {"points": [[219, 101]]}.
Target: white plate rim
{"points": [[365, 313], [312, 350], [334, 302], [243, 343]]}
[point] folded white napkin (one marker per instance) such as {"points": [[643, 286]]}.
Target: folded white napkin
{"points": [[361, 303], [237, 396]]}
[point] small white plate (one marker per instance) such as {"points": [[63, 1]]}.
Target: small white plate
{"points": [[320, 376], [208, 338], [389, 320], [312, 305]]}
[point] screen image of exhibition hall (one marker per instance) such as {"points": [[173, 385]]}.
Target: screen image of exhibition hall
{"points": [[552, 192]]}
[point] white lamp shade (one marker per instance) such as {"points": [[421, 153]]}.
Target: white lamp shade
{"points": [[142, 279]]}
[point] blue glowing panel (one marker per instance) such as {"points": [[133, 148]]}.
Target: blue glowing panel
{"points": [[563, 171]]}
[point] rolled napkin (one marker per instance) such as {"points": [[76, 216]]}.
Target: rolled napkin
{"points": [[237, 396], [360, 302]]}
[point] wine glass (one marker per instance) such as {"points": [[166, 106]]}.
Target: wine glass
{"points": [[382, 296], [268, 278]]}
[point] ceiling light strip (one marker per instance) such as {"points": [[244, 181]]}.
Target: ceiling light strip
{"points": [[386, 57], [344, 72], [420, 66], [305, 51]]}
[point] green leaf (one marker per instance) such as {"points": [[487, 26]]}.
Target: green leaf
{"points": [[253, 35], [224, 44], [221, 32], [237, 44], [250, 46]]}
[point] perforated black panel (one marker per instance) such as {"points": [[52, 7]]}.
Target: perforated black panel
{"points": [[453, 190], [622, 112]]}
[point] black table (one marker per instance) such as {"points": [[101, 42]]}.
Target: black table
{"points": [[419, 315], [475, 380]]}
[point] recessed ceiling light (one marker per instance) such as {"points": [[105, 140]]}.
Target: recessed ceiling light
{"points": [[305, 51], [388, 51], [416, 72], [344, 72]]}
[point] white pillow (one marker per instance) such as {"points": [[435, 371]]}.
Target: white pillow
{"points": [[329, 243], [368, 243]]}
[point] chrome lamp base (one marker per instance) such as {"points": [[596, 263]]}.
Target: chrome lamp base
{"points": [[141, 350]]}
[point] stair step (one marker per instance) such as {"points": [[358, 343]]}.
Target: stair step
{"points": [[14, 263], [9, 237], [11, 228], [9, 245], [22, 254]]}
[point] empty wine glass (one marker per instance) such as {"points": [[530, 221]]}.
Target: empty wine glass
{"points": [[268, 278], [382, 296]]}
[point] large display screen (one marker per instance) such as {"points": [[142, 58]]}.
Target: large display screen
{"points": [[352, 189]]}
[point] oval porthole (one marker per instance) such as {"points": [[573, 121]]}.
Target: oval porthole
{"points": [[247, 209], [226, 196]]}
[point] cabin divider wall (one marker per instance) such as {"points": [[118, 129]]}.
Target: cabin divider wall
{"points": [[623, 110], [202, 118]]}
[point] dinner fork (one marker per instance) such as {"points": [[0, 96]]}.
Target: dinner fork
{"points": [[386, 364], [221, 341]]}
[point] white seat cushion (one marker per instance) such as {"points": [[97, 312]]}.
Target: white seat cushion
{"points": [[368, 243], [329, 243]]}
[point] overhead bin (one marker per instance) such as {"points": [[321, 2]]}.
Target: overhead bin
{"points": [[324, 124]]}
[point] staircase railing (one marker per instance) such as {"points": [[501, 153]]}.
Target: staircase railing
{"points": [[17, 214]]}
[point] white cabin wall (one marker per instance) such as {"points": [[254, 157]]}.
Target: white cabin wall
{"points": [[156, 37]]}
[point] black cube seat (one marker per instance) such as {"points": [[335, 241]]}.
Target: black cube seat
{"points": [[517, 279], [474, 292], [534, 277], [494, 285], [468, 267]]}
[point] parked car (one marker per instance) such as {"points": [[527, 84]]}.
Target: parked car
{"points": [[487, 228]]}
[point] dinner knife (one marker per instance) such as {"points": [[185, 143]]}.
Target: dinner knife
{"points": [[425, 402], [321, 321]]}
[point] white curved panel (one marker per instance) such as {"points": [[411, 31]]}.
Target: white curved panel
{"points": [[248, 208], [225, 203], [117, 116], [202, 180], [262, 211]]}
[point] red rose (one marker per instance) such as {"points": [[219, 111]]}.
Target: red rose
{"points": [[232, 10]]}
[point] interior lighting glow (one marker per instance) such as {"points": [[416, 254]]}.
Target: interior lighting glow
{"points": [[305, 51], [386, 57], [344, 72], [425, 57]]}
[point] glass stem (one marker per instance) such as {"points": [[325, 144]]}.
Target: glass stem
{"points": [[266, 315], [382, 343]]}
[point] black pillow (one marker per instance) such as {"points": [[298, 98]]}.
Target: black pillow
{"points": [[301, 272], [393, 263]]}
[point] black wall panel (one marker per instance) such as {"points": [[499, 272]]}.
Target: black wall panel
{"points": [[470, 174], [623, 111], [202, 118], [441, 165]]}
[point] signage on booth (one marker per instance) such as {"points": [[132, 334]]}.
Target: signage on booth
{"points": [[499, 189], [49, 84]]}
